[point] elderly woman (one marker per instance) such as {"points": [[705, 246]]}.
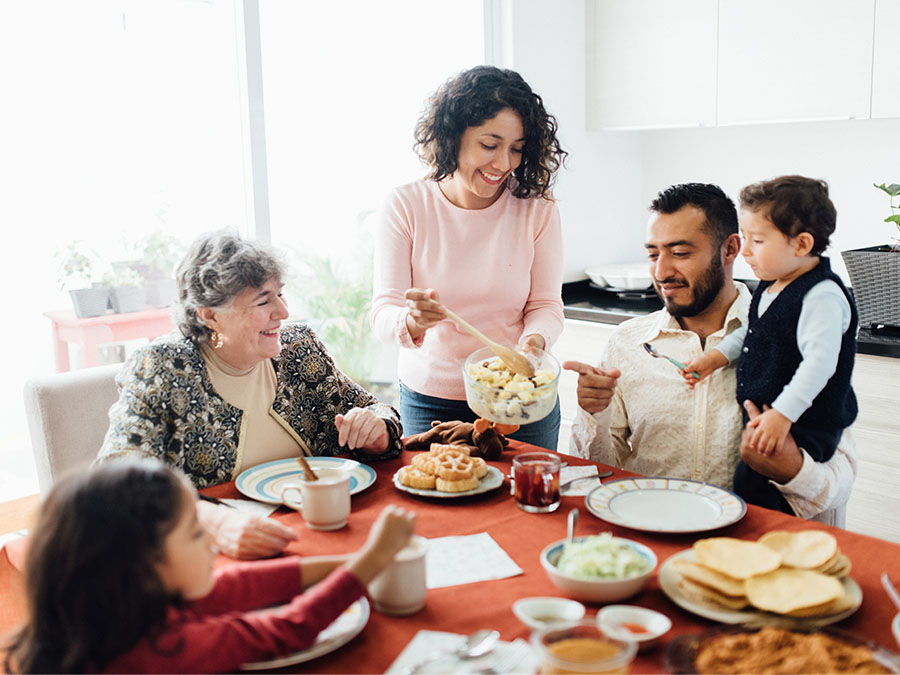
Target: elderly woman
{"points": [[237, 389]]}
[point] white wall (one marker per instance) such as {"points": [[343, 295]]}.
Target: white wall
{"points": [[850, 155], [600, 190], [612, 176]]}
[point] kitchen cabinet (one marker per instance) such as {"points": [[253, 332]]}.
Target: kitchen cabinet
{"points": [[797, 60], [657, 64], [886, 60], [651, 63], [583, 341]]}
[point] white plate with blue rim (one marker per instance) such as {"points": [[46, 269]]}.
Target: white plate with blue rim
{"points": [[661, 504], [264, 482], [343, 629]]}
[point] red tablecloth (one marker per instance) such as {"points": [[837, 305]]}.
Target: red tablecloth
{"points": [[463, 609]]}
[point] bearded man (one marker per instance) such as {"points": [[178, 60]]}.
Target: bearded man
{"points": [[636, 412]]}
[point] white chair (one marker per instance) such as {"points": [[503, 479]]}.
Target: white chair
{"points": [[68, 415]]}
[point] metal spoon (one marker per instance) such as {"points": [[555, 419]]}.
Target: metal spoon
{"points": [[477, 644], [655, 354], [516, 362], [570, 529], [891, 591], [605, 474]]}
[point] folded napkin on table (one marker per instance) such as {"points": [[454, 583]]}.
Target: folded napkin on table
{"points": [[506, 657]]}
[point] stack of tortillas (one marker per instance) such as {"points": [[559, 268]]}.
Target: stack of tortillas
{"points": [[791, 573]]}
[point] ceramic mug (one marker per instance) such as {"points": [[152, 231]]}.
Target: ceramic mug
{"points": [[400, 589], [324, 503]]}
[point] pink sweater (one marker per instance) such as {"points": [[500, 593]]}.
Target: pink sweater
{"points": [[221, 631], [499, 268]]}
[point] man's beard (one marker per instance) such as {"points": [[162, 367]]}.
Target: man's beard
{"points": [[703, 291]]}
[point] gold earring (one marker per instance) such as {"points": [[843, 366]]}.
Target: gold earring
{"points": [[216, 340]]}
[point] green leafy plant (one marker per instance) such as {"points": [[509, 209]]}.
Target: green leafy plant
{"points": [[159, 253], [892, 190], [122, 275], [76, 265]]}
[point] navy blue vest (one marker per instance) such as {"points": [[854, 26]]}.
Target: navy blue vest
{"points": [[770, 355]]}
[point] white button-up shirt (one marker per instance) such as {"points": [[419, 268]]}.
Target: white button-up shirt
{"points": [[658, 426]]}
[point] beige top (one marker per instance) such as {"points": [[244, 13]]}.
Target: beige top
{"points": [[263, 436], [657, 426]]}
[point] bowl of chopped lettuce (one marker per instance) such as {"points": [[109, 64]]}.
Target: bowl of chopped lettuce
{"points": [[599, 568]]}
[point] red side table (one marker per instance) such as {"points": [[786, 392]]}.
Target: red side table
{"points": [[98, 330]]}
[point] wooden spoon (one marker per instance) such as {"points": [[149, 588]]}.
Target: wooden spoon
{"points": [[516, 362], [307, 469]]}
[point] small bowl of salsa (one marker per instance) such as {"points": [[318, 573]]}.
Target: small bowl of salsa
{"points": [[644, 626]]}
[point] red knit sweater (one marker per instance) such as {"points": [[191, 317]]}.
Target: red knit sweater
{"points": [[222, 631]]}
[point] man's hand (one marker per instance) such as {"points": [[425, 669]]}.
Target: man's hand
{"points": [[242, 535], [595, 385], [769, 431], [782, 465]]}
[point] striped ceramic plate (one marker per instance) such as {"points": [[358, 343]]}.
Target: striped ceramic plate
{"points": [[265, 482]]}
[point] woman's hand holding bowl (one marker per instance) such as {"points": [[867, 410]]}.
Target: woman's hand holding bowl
{"points": [[361, 429], [425, 310]]}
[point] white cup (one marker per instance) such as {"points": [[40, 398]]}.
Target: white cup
{"points": [[400, 589], [324, 503]]}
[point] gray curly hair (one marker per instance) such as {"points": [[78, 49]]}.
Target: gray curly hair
{"points": [[217, 267]]}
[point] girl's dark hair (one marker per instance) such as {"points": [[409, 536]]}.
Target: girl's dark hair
{"points": [[795, 204], [471, 98], [92, 590]]}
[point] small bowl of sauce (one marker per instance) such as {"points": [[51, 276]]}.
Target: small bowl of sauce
{"points": [[644, 626], [581, 647], [539, 612]]}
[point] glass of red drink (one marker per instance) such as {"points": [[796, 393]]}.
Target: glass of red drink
{"points": [[536, 477]]}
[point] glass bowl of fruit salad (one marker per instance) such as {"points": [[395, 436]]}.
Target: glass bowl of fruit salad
{"points": [[497, 394]]}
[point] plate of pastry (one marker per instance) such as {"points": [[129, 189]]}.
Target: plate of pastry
{"points": [[447, 471]]}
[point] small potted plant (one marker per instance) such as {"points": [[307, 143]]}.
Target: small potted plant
{"points": [[126, 289], [875, 274], [76, 275], [159, 254]]}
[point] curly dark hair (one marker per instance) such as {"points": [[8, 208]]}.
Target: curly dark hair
{"points": [[795, 204], [92, 591], [478, 94]]}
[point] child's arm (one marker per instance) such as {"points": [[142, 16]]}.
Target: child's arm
{"points": [[727, 351]]}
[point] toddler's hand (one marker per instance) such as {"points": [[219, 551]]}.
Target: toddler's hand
{"points": [[769, 431], [704, 366]]}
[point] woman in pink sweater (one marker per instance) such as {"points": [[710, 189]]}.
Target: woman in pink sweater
{"points": [[480, 233], [119, 578]]}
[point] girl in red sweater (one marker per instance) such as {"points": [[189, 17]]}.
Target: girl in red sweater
{"points": [[119, 578]]}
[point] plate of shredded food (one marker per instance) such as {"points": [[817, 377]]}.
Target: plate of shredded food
{"points": [[798, 577], [774, 649]]}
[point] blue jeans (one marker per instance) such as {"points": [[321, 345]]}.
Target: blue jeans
{"points": [[417, 411]]}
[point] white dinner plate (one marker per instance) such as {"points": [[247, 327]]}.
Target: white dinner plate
{"points": [[343, 629], [265, 482], [660, 504], [491, 481], [668, 582]]}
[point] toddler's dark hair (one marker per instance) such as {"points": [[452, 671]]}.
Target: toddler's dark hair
{"points": [[795, 204]]}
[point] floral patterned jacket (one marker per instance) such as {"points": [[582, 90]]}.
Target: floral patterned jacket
{"points": [[168, 409]]}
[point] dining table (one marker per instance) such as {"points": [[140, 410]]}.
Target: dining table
{"points": [[465, 608]]}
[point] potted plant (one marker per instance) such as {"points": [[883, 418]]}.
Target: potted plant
{"points": [[159, 254], [76, 274], [126, 289], [875, 274]]}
